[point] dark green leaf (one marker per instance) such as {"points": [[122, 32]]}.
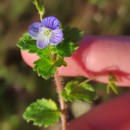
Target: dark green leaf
{"points": [[42, 113], [70, 43], [27, 43], [60, 62], [74, 92], [44, 67]]}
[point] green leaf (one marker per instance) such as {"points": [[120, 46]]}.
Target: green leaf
{"points": [[88, 87], [112, 84], [42, 113], [40, 7], [60, 62], [27, 43], [74, 92], [70, 43], [44, 67]]}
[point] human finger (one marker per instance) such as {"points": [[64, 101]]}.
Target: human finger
{"points": [[97, 56], [111, 115]]}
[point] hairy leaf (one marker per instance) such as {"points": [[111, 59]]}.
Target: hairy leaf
{"points": [[74, 92], [44, 67], [27, 43], [70, 43], [42, 113]]}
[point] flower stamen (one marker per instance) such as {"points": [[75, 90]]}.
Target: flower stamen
{"points": [[47, 32]]}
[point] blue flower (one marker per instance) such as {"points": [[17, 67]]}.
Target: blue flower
{"points": [[46, 32]]}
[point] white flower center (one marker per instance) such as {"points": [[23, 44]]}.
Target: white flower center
{"points": [[47, 32]]}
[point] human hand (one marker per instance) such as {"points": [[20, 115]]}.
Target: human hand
{"points": [[100, 56], [111, 115], [97, 56]]}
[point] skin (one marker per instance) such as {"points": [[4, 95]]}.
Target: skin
{"points": [[112, 115], [98, 56]]}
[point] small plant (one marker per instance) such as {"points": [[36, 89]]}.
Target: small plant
{"points": [[52, 43]]}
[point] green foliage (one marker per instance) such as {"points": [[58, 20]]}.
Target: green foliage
{"points": [[88, 87], [70, 43], [44, 67], [40, 8], [42, 113], [60, 62], [27, 43], [75, 92], [112, 84]]}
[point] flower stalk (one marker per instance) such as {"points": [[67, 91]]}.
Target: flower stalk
{"points": [[59, 88], [61, 100]]}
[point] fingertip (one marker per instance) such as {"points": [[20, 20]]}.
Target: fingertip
{"points": [[73, 68], [97, 56]]}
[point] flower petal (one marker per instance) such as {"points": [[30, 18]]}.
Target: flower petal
{"points": [[42, 43], [56, 37], [51, 22], [35, 29]]}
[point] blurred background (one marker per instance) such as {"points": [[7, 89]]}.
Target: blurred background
{"points": [[19, 85]]}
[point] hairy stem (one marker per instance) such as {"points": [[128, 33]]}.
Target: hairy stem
{"points": [[61, 100], [59, 88]]}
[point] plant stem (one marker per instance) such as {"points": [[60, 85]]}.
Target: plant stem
{"points": [[40, 17], [59, 88], [61, 100], [86, 81], [49, 51]]}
